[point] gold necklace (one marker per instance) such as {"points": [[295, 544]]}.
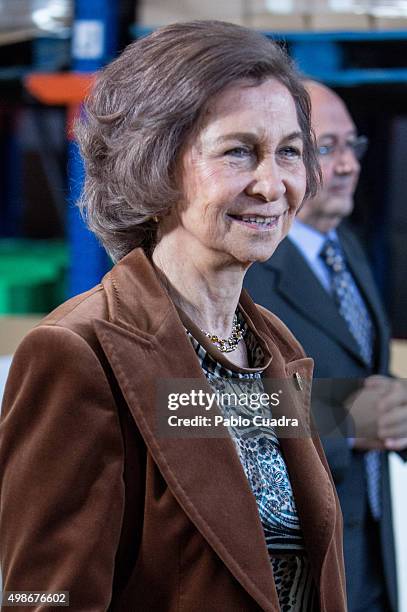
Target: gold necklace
{"points": [[227, 345]]}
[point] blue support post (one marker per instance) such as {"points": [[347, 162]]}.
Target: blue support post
{"points": [[95, 36], [88, 260]]}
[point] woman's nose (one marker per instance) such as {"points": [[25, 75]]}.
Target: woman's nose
{"points": [[268, 182]]}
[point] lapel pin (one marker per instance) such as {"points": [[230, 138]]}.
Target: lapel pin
{"points": [[298, 380]]}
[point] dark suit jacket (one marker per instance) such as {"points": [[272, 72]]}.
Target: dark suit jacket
{"points": [[96, 502], [287, 286]]}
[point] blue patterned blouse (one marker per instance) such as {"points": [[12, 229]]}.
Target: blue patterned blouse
{"points": [[259, 452]]}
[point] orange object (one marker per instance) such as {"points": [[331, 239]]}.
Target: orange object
{"points": [[62, 88]]}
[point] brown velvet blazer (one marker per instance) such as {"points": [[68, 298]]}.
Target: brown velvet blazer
{"points": [[94, 502]]}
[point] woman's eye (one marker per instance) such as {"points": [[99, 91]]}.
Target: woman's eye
{"points": [[240, 152], [291, 152]]}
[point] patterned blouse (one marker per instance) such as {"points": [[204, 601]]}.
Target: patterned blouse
{"points": [[259, 452]]}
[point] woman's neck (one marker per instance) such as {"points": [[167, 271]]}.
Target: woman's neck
{"points": [[206, 292]]}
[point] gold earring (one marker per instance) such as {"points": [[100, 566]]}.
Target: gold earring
{"points": [[155, 219]]}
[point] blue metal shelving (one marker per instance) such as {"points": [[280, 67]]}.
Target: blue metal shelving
{"points": [[322, 55]]}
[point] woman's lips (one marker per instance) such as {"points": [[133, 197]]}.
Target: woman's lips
{"points": [[256, 222]]}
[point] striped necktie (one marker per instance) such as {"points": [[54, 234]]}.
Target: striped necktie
{"points": [[352, 307]]}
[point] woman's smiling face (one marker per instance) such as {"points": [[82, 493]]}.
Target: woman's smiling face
{"points": [[242, 176]]}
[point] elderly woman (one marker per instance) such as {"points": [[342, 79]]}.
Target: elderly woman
{"points": [[198, 154]]}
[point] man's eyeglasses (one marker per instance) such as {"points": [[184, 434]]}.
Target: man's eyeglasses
{"points": [[358, 146]]}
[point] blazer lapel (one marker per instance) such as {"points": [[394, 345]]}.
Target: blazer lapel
{"points": [[311, 484], [145, 341], [290, 265]]}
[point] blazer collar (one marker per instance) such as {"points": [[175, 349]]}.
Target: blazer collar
{"points": [[145, 341]]}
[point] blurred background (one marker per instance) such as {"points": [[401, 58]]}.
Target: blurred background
{"points": [[48, 52]]}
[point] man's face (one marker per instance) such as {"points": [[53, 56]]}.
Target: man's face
{"points": [[335, 133]]}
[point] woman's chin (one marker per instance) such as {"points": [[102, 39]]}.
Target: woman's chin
{"points": [[253, 256], [261, 254]]}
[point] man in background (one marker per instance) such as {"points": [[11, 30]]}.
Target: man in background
{"points": [[319, 283]]}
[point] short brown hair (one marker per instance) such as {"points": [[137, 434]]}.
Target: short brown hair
{"points": [[146, 103]]}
